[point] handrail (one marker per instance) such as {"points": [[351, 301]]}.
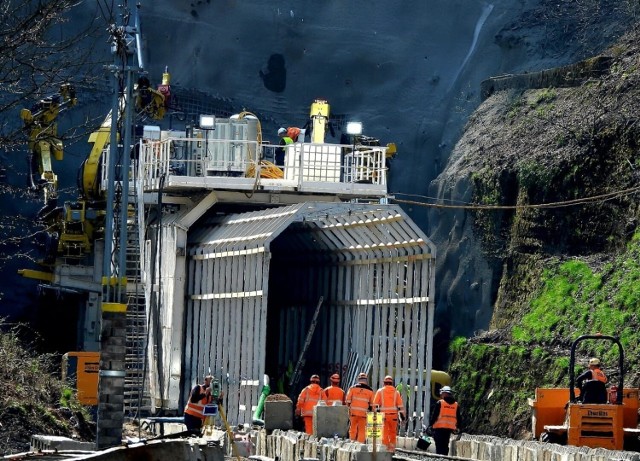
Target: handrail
{"points": [[304, 162]]}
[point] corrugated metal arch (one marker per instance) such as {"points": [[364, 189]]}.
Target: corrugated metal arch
{"points": [[372, 264]]}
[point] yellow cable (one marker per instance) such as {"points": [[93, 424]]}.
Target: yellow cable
{"points": [[267, 170]]}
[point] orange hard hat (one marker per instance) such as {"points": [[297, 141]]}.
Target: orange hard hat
{"points": [[315, 379], [363, 376], [335, 378], [388, 379]]}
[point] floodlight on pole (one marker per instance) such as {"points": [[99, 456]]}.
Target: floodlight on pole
{"points": [[354, 128], [207, 122]]}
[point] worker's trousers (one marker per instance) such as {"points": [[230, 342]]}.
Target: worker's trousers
{"points": [[358, 428], [193, 423], [441, 438], [390, 430], [308, 424]]}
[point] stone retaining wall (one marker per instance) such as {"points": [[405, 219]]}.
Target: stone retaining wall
{"points": [[566, 76]]}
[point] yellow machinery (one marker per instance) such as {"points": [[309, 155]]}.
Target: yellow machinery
{"points": [[151, 101], [71, 228], [81, 368], [44, 142], [560, 417], [438, 380], [319, 114]]}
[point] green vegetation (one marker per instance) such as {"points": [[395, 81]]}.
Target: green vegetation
{"points": [[34, 400], [574, 300], [569, 266], [457, 344], [546, 95]]}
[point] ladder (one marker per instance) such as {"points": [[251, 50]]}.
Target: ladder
{"points": [[295, 377], [137, 401]]}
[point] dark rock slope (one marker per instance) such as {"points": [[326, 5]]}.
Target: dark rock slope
{"points": [[553, 175]]}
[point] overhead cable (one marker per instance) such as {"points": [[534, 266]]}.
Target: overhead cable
{"points": [[479, 206]]}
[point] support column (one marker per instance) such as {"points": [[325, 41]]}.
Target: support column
{"points": [[112, 374]]}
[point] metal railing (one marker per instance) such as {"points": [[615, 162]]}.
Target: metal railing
{"points": [[304, 163]]}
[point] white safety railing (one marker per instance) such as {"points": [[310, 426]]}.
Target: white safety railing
{"points": [[303, 162]]}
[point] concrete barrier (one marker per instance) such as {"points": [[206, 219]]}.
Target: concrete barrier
{"points": [[278, 414], [331, 421], [54, 442], [488, 448], [298, 446]]}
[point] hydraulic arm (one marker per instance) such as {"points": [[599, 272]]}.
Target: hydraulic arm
{"points": [[44, 142]]}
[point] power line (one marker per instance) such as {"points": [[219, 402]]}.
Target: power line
{"points": [[478, 206]]}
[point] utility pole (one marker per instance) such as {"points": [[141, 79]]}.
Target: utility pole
{"points": [[124, 41]]}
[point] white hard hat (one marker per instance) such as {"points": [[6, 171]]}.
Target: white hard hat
{"points": [[594, 361], [281, 131], [446, 389]]}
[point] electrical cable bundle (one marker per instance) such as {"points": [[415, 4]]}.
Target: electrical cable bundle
{"points": [[268, 170]]}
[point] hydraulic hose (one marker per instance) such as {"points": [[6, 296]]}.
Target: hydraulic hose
{"points": [[266, 390]]}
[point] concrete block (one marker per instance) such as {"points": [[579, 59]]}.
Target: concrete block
{"points": [[331, 421], [54, 442], [245, 445], [407, 443], [278, 415], [366, 454]]}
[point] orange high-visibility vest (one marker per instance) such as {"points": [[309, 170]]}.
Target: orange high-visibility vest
{"points": [[309, 398], [447, 418], [293, 132], [359, 399], [196, 409], [389, 400], [334, 394]]}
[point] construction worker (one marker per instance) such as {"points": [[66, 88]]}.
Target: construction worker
{"points": [[335, 394], [293, 132], [592, 383], [285, 140], [307, 400], [445, 419], [359, 400], [389, 402], [199, 396]]}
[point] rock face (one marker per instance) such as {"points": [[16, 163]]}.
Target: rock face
{"points": [[411, 74], [469, 269], [556, 172]]}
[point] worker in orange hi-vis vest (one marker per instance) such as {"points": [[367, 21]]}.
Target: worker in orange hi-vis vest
{"points": [[307, 400], [359, 400], [445, 420], [199, 396], [293, 132], [389, 402], [335, 394]]}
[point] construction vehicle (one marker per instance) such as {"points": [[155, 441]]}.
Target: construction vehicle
{"points": [[559, 415], [44, 143], [70, 230]]}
